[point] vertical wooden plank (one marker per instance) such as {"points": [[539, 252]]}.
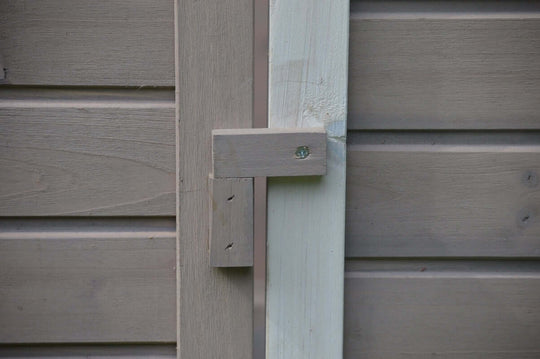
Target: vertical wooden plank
{"points": [[231, 223], [260, 119], [306, 215], [213, 90]]}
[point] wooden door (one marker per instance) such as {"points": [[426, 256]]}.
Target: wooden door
{"points": [[442, 233], [92, 166], [87, 179]]}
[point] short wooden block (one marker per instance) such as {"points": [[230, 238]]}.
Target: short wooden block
{"points": [[231, 222], [269, 152]]}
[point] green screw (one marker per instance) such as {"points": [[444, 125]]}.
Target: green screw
{"points": [[302, 152]]}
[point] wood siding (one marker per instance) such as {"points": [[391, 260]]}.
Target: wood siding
{"points": [[452, 309], [82, 43], [87, 180], [86, 153], [80, 280], [441, 200], [133, 351], [443, 195], [444, 73]]}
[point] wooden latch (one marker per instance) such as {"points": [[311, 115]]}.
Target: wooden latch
{"points": [[238, 155]]}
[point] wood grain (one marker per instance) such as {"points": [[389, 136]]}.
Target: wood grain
{"points": [[268, 152], [84, 280], [214, 89], [444, 73], [103, 158], [77, 42], [445, 314], [443, 201], [231, 222], [306, 215]]}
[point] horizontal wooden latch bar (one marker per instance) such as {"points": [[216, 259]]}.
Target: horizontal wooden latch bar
{"points": [[237, 156], [269, 152]]}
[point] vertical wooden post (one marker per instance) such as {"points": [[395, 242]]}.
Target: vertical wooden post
{"points": [[214, 79], [306, 216]]}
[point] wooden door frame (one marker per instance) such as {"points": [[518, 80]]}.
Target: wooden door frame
{"points": [[214, 89], [306, 216]]}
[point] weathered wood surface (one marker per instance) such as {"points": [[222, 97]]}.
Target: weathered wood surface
{"points": [[77, 42], [81, 97], [443, 71], [231, 222], [126, 351], [424, 311], [88, 153], [84, 280], [268, 152], [443, 201], [306, 215], [214, 89]]}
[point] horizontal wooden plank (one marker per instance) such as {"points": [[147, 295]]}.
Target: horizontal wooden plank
{"points": [[269, 152], [444, 266], [445, 72], [129, 351], [443, 200], [77, 42], [447, 315], [433, 8], [87, 158], [231, 222], [76, 97], [84, 280]]}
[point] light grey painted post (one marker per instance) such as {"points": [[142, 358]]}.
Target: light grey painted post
{"points": [[306, 215]]}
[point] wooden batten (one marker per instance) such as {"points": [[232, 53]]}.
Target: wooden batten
{"points": [[231, 222], [269, 152]]}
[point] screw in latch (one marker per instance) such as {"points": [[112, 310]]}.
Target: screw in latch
{"points": [[302, 152]]}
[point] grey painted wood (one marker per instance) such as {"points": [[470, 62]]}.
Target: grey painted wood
{"points": [[268, 152], [455, 138], [103, 156], [84, 280], [444, 72], [77, 42], [125, 351], [231, 222], [495, 266], [393, 8], [59, 97], [214, 55], [443, 200], [443, 314]]}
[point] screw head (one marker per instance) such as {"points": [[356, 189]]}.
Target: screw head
{"points": [[302, 152]]}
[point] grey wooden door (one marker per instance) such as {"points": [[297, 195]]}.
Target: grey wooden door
{"points": [[442, 181], [90, 187], [87, 179]]}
